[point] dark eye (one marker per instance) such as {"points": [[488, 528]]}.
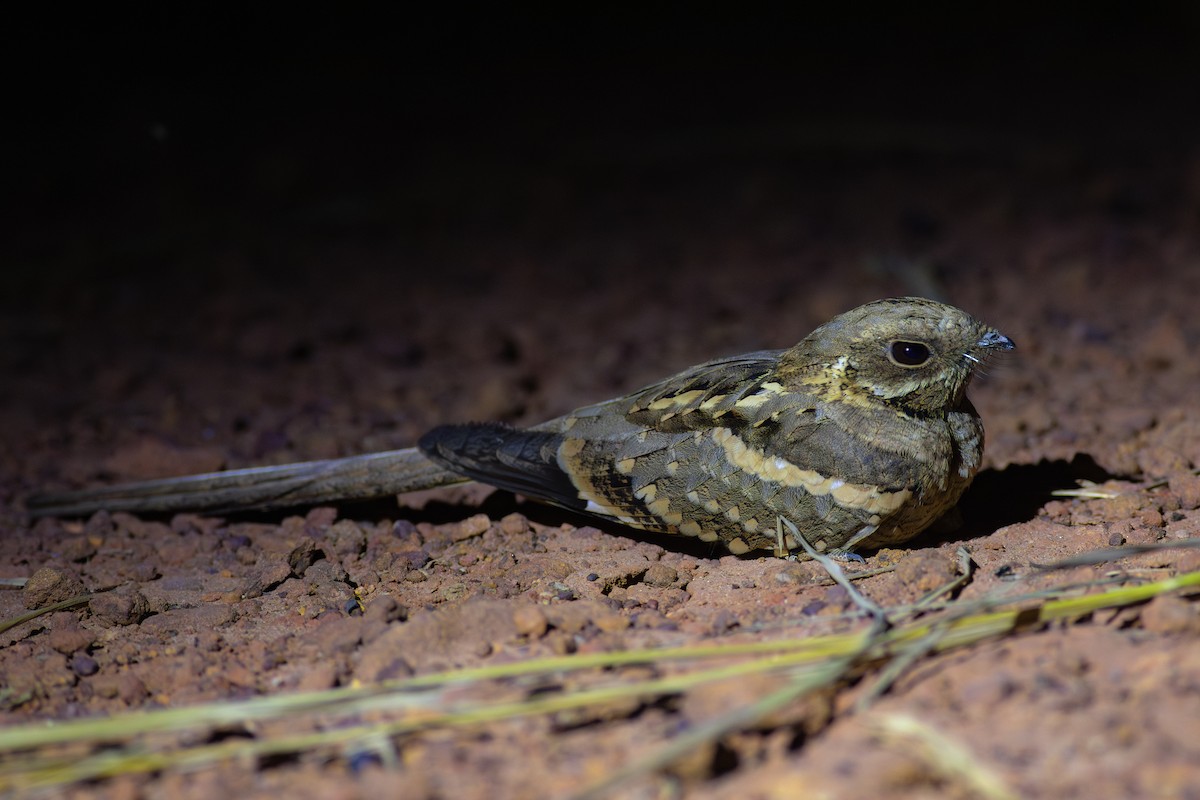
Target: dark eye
{"points": [[909, 354]]}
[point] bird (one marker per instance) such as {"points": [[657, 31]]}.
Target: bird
{"points": [[859, 436]]}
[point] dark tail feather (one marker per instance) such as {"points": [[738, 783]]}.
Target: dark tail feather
{"points": [[524, 461], [355, 478]]}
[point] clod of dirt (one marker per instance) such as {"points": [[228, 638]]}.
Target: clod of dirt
{"points": [[78, 549], [469, 528], [127, 607], [1186, 487], [530, 621], [1171, 615], [265, 577], [347, 538], [69, 637], [926, 570], [660, 575], [384, 609], [125, 685], [303, 556], [514, 524], [51, 585]]}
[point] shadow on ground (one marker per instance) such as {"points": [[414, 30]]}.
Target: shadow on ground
{"points": [[1017, 492], [997, 498]]}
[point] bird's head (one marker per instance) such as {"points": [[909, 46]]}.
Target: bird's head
{"points": [[909, 353]]}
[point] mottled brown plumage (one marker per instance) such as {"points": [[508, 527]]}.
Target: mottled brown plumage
{"points": [[860, 435]]}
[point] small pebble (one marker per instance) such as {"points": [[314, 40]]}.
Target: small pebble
{"points": [[660, 576], [1167, 614], [84, 665], [471, 527], [50, 585], [127, 607], [530, 621], [303, 556], [70, 637], [514, 523], [403, 529]]}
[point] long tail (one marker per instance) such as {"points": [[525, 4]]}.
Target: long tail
{"points": [[355, 478]]}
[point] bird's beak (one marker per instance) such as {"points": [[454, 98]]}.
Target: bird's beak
{"points": [[995, 340]]}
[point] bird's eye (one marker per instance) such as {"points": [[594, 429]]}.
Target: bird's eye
{"points": [[909, 354]]}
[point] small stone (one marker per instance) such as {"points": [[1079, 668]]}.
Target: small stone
{"points": [[130, 688], [530, 621], [100, 526], [127, 686], [1158, 459], [793, 574], [471, 527], [193, 523], [267, 577], [70, 638], [413, 559], [78, 548], [123, 607], [237, 541], [562, 644], [512, 524], [51, 585], [1151, 517], [404, 530], [611, 622], [303, 556], [1124, 506], [142, 571], [661, 576], [84, 665], [317, 678], [1185, 485], [321, 517], [1189, 561], [926, 570], [1168, 614], [347, 538], [1144, 535], [385, 608]]}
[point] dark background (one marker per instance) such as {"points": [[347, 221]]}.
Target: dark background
{"points": [[131, 127]]}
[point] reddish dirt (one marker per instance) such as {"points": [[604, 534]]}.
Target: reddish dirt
{"points": [[200, 327]]}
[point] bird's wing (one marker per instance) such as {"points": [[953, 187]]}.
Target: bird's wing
{"points": [[728, 392], [535, 463]]}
